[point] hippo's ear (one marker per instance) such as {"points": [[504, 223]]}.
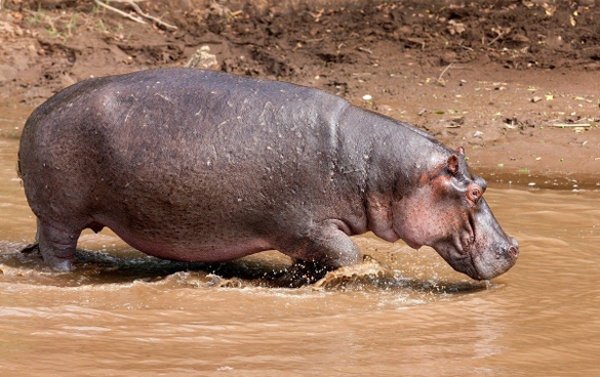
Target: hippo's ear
{"points": [[461, 150], [453, 165]]}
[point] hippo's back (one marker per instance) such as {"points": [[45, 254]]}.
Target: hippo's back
{"points": [[181, 151]]}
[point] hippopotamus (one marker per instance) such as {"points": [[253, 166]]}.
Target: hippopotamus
{"points": [[204, 166]]}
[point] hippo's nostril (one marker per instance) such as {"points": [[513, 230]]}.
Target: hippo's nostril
{"points": [[513, 251]]}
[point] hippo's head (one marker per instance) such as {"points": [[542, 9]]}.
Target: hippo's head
{"points": [[447, 211]]}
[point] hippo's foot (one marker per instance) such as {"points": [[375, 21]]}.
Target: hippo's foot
{"points": [[58, 264], [57, 247], [325, 248]]}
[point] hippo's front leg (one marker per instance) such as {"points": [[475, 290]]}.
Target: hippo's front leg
{"points": [[324, 247]]}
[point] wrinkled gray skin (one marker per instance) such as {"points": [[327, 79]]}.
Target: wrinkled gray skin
{"points": [[203, 166]]}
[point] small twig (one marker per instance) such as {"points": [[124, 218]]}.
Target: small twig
{"points": [[500, 35], [364, 49], [317, 16], [157, 20], [204, 42], [563, 125], [120, 12], [439, 79], [417, 41], [313, 40]]}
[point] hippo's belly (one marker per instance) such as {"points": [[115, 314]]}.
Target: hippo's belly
{"points": [[186, 247]]}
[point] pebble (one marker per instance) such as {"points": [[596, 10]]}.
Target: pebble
{"points": [[536, 99]]}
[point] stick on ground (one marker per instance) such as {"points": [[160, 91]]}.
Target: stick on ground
{"points": [[157, 20], [120, 12]]}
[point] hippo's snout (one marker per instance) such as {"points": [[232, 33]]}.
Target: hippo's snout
{"points": [[485, 267], [484, 259]]}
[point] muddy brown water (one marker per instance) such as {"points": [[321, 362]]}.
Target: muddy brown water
{"points": [[404, 313]]}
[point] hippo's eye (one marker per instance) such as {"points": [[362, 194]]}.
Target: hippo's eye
{"points": [[474, 194]]}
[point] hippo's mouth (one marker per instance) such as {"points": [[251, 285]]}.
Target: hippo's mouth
{"points": [[466, 265], [461, 261], [476, 263]]}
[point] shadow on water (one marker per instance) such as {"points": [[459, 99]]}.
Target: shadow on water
{"points": [[98, 267]]}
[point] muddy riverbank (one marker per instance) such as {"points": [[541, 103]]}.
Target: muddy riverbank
{"points": [[515, 83]]}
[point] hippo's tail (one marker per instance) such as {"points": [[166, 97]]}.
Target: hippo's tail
{"points": [[32, 247]]}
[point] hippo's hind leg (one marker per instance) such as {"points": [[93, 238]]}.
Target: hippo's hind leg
{"points": [[57, 245], [323, 248]]}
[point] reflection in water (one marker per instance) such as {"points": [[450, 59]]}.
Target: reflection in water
{"points": [[403, 313]]}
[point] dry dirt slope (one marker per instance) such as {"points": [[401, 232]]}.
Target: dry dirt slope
{"points": [[495, 76]]}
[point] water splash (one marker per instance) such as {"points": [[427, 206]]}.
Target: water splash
{"points": [[261, 270]]}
